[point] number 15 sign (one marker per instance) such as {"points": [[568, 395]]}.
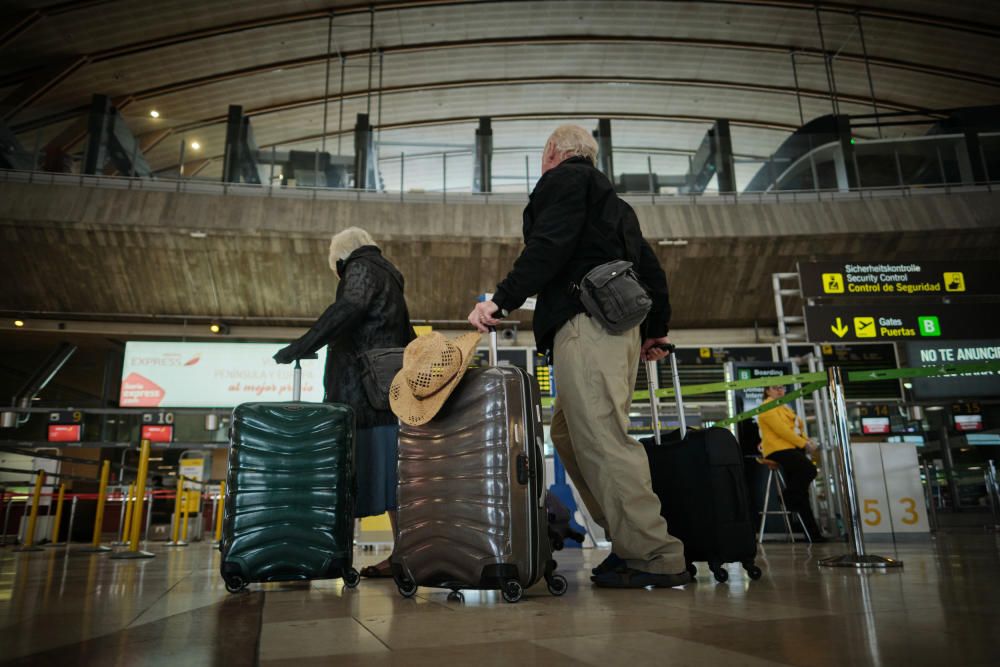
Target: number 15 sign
{"points": [[889, 489]]}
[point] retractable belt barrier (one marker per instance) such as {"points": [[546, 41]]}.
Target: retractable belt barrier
{"points": [[811, 381]]}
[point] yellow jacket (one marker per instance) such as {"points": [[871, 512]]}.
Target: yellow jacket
{"points": [[778, 430]]}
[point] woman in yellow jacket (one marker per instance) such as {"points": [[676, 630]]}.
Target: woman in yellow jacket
{"points": [[782, 441]]}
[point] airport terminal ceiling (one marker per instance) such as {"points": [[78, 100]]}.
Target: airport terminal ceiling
{"points": [[426, 71], [661, 70]]}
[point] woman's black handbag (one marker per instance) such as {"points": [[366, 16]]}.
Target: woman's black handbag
{"points": [[379, 367]]}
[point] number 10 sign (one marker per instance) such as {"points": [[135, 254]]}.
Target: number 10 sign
{"points": [[889, 489]]}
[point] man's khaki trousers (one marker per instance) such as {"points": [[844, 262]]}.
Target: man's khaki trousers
{"points": [[595, 375]]}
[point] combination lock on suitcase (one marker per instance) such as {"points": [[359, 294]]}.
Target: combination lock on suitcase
{"points": [[698, 475], [290, 490]]}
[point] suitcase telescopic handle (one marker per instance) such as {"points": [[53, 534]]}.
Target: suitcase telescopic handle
{"points": [[494, 355], [676, 378], [297, 376], [653, 378]]}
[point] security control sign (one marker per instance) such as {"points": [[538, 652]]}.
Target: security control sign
{"points": [[899, 279], [888, 322]]}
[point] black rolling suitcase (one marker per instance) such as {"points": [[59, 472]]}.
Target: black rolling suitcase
{"points": [[472, 490], [290, 490], [698, 475]]}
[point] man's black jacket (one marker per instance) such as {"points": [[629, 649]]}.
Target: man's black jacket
{"points": [[573, 222]]}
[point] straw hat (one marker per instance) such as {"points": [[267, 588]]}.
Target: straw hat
{"points": [[432, 368]]}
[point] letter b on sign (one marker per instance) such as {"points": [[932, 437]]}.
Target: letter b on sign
{"points": [[929, 325]]}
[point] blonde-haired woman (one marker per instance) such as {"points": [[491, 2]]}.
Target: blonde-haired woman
{"points": [[783, 440], [369, 312]]}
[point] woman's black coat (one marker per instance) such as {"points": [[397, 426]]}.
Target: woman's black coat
{"points": [[369, 313]]}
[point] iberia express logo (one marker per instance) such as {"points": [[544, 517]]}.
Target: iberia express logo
{"points": [[141, 392], [193, 360]]}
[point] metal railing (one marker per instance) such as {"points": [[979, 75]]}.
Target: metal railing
{"points": [[192, 186]]}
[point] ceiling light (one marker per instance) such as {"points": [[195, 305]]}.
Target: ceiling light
{"points": [[195, 145], [219, 328], [934, 408], [673, 242], [18, 323], [154, 113], [198, 235], [907, 385]]}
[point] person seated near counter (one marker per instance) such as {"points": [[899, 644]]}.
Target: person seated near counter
{"points": [[783, 441]]}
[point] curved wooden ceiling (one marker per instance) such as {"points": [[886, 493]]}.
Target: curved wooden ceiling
{"points": [[663, 69]]}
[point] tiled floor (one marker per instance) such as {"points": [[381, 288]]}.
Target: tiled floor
{"points": [[72, 608]]}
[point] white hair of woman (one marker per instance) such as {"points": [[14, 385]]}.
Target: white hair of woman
{"points": [[574, 140], [344, 243]]}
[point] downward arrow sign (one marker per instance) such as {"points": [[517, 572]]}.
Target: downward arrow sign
{"points": [[840, 329]]}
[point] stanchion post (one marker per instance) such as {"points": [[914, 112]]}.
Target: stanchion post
{"points": [[150, 497], [72, 520], [36, 496], [57, 522], [140, 496], [126, 527], [220, 510], [102, 499], [856, 558], [185, 512], [178, 503], [122, 537], [6, 520]]}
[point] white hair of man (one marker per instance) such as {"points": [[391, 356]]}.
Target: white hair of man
{"points": [[344, 243], [574, 140]]}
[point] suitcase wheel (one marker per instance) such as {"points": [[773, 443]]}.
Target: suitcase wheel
{"points": [[235, 583], [753, 571], [512, 591], [557, 584], [456, 596], [720, 573], [692, 570], [352, 578], [406, 588]]}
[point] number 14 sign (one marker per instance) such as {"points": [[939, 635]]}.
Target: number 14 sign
{"points": [[889, 489]]}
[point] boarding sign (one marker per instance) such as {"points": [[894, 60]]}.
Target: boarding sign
{"points": [[899, 279], [894, 321], [212, 375]]}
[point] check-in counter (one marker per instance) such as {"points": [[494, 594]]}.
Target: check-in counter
{"points": [[890, 494]]}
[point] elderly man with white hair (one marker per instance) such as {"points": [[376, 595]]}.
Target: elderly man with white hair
{"points": [[573, 223]]}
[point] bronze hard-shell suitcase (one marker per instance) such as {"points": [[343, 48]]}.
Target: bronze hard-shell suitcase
{"points": [[472, 490]]}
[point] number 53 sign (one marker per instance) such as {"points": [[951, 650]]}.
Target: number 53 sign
{"points": [[889, 489]]}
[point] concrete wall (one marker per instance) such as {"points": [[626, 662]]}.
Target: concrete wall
{"points": [[93, 207]]}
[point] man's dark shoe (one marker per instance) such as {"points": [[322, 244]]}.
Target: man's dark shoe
{"points": [[608, 564], [629, 578]]}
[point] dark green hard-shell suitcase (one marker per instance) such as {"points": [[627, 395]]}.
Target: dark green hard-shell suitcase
{"points": [[290, 493]]}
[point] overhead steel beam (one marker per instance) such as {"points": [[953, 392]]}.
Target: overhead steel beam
{"points": [[889, 14], [482, 177], [605, 151], [556, 116], [527, 80], [16, 25], [542, 80], [365, 160], [562, 40], [43, 375], [44, 81], [178, 86]]}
